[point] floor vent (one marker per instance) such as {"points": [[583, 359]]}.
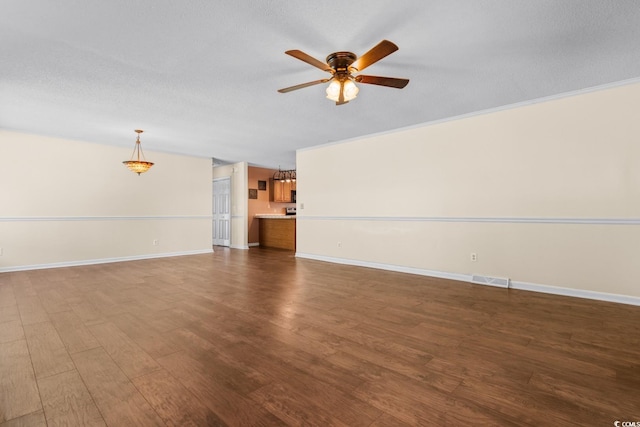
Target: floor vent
{"points": [[501, 282]]}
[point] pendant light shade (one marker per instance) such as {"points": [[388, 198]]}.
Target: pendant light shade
{"points": [[135, 164]]}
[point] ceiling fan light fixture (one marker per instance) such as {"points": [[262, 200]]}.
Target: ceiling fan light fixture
{"points": [[349, 89], [342, 66]]}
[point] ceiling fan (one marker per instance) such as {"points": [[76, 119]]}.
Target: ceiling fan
{"points": [[342, 66]]}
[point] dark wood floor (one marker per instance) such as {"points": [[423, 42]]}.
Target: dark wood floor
{"points": [[258, 337]]}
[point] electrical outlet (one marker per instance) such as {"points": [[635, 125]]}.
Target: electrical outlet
{"points": [[474, 256], [155, 242]]}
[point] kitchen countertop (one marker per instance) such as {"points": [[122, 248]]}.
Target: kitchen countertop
{"points": [[274, 216]]}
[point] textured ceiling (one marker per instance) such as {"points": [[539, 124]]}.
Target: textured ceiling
{"points": [[200, 76]]}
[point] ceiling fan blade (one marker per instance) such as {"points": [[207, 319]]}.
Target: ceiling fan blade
{"points": [[303, 85], [375, 54], [383, 81], [310, 60]]}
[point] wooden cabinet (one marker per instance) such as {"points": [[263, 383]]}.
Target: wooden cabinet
{"points": [[278, 233], [280, 191]]}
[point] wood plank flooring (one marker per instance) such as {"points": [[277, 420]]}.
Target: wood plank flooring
{"points": [[260, 338]]}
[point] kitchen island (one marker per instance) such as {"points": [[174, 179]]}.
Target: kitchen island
{"points": [[277, 231]]}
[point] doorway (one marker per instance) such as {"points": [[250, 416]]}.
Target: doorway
{"points": [[222, 211]]}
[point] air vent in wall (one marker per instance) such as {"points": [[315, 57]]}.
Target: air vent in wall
{"points": [[501, 282]]}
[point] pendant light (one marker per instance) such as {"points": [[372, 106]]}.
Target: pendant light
{"points": [[285, 176], [135, 164]]}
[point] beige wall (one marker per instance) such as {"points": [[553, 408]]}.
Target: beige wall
{"points": [[239, 205], [67, 202], [546, 194]]}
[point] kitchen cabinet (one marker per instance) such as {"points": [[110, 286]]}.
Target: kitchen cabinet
{"points": [[277, 231], [280, 191]]}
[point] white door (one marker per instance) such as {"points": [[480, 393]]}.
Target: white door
{"points": [[222, 212]]}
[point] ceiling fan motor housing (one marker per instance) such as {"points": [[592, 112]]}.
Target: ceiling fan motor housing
{"points": [[341, 61]]}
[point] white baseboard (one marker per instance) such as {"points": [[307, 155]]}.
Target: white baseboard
{"points": [[253, 245], [390, 267], [524, 286], [577, 293], [101, 261], [239, 247]]}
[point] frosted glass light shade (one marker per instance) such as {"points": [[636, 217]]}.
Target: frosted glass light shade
{"points": [[333, 90], [350, 90]]}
